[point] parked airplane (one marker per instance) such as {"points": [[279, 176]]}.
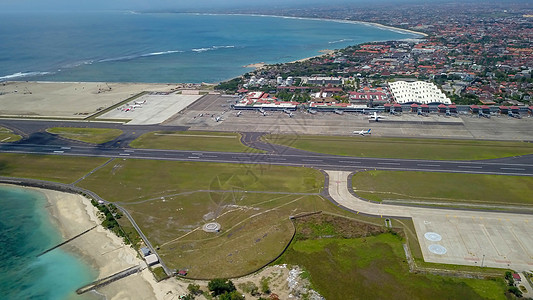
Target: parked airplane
{"points": [[375, 117], [218, 119], [238, 113], [136, 106], [312, 111], [362, 132], [339, 112], [139, 102], [262, 111], [291, 115], [286, 111]]}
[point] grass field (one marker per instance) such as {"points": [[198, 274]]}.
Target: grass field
{"points": [[444, 187], [88, 135], [374, 267], [7, 136], [65, 169], [130, 180], [435, 149], [192, 140], [171, 201]]}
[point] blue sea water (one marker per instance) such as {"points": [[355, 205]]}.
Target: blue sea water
{"points": [[163, 47], [25, 231]]}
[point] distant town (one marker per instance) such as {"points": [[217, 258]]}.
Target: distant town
{"points": [[480, 56]]}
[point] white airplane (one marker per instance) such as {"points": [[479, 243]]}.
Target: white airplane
{"points": [[312, 111], [139, 102], [375, 117], [239, 113], [339, 112], [136, 105], [291, 115], [218, 119], [262, 111], [362, 132], [286, 111]]}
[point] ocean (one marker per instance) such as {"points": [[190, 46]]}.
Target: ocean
{"points": [[26, 231], [163, 47]]}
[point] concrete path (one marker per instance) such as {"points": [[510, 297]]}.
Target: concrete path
{"points": [[462, 237]]}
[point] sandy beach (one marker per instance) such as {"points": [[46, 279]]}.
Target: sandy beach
{"points": [[108, 254], [104, 251]]}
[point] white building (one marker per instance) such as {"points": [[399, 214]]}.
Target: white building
{"points": [[323, 80], [418, 91]]}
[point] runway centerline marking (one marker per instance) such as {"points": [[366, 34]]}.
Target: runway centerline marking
{"points": [[517, 169], [473, 167], [387, 163]]}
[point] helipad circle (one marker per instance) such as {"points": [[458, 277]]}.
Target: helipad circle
{"points": [[437, 249], [211, 227], [432, 236]]}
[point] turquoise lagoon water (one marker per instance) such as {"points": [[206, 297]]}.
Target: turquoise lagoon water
{"points": [[25, 231], [163, 47]]}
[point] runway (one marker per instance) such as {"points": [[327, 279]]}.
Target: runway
{"points": [[520, 166]]}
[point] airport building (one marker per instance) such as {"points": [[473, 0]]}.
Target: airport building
{"points": [[420, 92], [316, 80], [261, 100]]}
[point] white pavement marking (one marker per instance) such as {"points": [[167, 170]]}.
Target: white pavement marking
{"points": [[475, 238]]}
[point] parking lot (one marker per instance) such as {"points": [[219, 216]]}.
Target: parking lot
{"points": [[152, 108], [477, 239]]}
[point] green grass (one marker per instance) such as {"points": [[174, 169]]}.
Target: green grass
{"points": [[374, 268], [435, 149], [65, 169], [88, 135], [159, 273], [132, 180], [191, 140], [7, 136], [445, 188]]}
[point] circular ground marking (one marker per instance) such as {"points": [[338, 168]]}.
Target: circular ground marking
{"points": [[437, 249], [432, 236], [211, 227]]}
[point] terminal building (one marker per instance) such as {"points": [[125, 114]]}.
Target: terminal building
{"points": [[419, 92], [263, 101]]}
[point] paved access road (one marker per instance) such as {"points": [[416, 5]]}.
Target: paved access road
{"points": [[477, 238]]}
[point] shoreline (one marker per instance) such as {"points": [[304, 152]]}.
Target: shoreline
{"points": [[261, 65], [382, 26], [101, 249]]}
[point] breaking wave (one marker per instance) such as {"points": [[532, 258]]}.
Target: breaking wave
{"points": [[22, 74], [212, 48], [340, 41], [134, 56]]}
